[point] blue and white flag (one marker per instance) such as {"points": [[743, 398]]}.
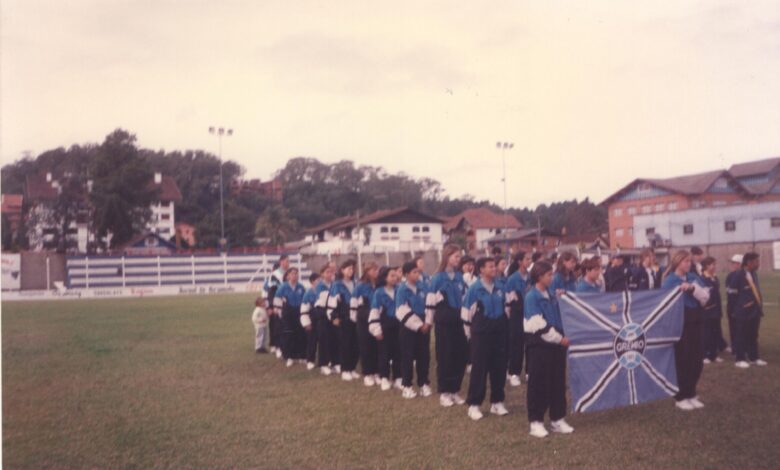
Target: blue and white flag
{"points": [[622, 346]]}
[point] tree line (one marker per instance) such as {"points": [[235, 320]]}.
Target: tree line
{"points": [[109, 184]]}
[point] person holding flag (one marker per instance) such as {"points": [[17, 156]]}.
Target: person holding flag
{"points": [[546, 349]]}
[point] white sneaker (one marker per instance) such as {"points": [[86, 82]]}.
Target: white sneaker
{"points": [[278, 353], [718, 359], [377, 379], [408, 393], [309, 365], [337, 369], [514, 380], [457, 399], [759, 362], [398, 384], [499, 409], [561, 426], [325, 370], [526, 378], [346, 376], [426, 390], [290, 362], [474, 413], [468, 369], [355, 375], [538, 429], [684, 405], [385, 385], [728, 349], [368, 381], [706, 361], [445, 400], [742, 364], [696, 403]]}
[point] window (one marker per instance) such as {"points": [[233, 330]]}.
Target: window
{"points": [[619, 232], [618, 212], [165, 216], [416, 229], [688, 229], [393, 229], [775, 222], [632, 210], [730, 226], [718, 203], [672, 206], [650, 231], [165, 231], [646, 209], [697, 204], [165, 204], [426, 229], [643, 187], [660, 207], [382, 229], [630, 232]]}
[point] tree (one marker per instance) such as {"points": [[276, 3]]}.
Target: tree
{"points": [[7, 235], [122, 192], [276, 224]]}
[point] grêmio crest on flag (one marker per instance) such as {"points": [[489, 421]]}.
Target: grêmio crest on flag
{"points": [[622, 346]]}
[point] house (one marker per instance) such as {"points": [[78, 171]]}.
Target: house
{"points": [[42, 191], [12, 209], [148, 244], [476, 226], [393, 230], [163, 209], [745, 183], [528, 240], [270, 189]]}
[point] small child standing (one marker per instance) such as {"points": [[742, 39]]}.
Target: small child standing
{"points": [[260, 321]]}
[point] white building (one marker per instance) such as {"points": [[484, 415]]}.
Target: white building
{"points": [[42, 192], [742, 223], [393, 230], [478, 225]]}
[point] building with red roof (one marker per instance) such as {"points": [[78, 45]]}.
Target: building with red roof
{"points": [[477, 225]]}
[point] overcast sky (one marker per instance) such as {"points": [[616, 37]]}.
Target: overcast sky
{"points": [[593, 94]]}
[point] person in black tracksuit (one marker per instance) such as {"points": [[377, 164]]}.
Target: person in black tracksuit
{"points": [[645, 275], [309, 321], [712, 311], [364, 293], [731, 298], [485, 321], [329, 359], [616, 275], [748, 310], [274, 281], [383, 325], [443, 303]]}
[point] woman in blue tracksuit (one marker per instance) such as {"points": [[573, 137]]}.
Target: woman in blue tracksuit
{"points": [[329, 359], [414, 332], [485, 321], [516, 286], [501, 276], [565, 279], [339, 311], [591, 273], [546, 349], [443, 303], [383, 325], [288, 301], [309, 320], [364, 293], [688, 351]]}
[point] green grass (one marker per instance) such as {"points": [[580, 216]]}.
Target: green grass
{"points": [[174, 382]]}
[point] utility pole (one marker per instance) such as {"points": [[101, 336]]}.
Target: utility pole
{"points": [[219, 132]]}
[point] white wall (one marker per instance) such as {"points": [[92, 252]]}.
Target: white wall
{"points": [[752, 223]]}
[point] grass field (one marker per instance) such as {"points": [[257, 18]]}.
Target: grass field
{"points": [[175, 383]]}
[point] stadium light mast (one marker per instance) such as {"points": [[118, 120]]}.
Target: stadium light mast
{"points": [[219, 132], [504, 146]]}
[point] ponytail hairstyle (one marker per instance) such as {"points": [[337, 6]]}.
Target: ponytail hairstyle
{"points": [[540, 269], [561, 268], [368, 266], [344, 265], [677, 258], [514, 266], [446, 254]]}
